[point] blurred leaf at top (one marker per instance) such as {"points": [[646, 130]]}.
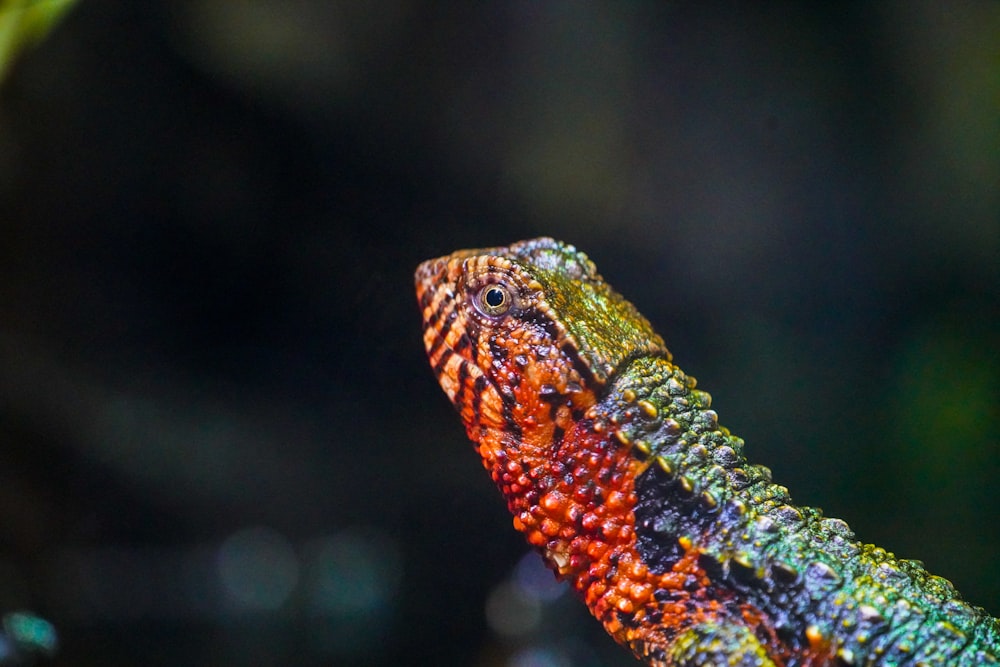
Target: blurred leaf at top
{"points": [[24, 23]]}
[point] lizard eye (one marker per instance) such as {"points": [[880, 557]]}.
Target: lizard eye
{"points": [[494, 300]]}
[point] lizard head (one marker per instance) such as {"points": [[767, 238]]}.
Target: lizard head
{"points": [[523, 338]]}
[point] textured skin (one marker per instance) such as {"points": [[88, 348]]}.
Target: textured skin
{"points": [[617, 470]]}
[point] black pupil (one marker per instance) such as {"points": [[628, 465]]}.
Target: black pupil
{"points": [[495, 297]]}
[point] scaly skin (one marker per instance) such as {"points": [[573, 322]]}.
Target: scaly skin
{"points": [[615, 468]]}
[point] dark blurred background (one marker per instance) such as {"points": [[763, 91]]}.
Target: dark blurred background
{"points": [[220, 443]]}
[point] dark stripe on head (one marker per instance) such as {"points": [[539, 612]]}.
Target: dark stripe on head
{"points": [[512, 427], [554, 399], [551, 329], [478, 389], [444, 325], [566, 345], [446, 354], [442, 308], [426, 296], [463, 377], [463, 343], [435, 344], [579, 365], [442, 331]]}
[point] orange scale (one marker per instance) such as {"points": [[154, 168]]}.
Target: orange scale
{"points": [[591, 521], [613, 625], [599, 570], [616, 500], [671, 581], [595, 593], [596, 550], [549, 527], [536, 538], [625, 606], [610, 530], [553, 502], [640, 592]]}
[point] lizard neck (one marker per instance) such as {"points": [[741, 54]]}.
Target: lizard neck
{"points": [[575, 500], [580, 501]]}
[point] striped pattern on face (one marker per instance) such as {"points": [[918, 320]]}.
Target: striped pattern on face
{"points": [[494, 360], [449, 339]]}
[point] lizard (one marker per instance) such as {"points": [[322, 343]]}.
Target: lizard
{"points": [[618, 472]]}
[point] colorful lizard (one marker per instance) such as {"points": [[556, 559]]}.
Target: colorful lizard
{"points": [[616, 469]]}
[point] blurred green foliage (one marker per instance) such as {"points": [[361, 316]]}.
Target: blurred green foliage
{"points": [[24, 23]]}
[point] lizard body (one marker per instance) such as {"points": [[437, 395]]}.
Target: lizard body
{"points": [[616, 469]]}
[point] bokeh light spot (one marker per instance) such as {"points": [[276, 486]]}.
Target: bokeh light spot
{"points": [[258, 568], [510, 612], [540, 656], [355, 572]]}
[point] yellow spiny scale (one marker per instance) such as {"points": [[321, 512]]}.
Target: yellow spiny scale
{"points": [[664, 465], [648, 408]]}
